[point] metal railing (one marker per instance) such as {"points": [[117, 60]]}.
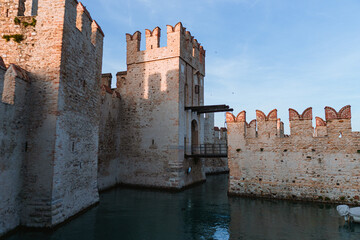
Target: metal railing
{"points": [[209, 150]]}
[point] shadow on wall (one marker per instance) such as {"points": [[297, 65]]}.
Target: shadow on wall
{"points": [[136, 137], [147, 110]]}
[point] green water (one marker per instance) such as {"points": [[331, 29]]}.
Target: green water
{"points": [[202, 212]]}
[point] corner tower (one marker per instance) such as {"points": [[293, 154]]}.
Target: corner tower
{"points": [[60, 46], [157, 130]]}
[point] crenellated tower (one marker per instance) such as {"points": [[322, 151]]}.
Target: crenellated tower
{"points": [[180, 43], [159, 84], [60, 47]]}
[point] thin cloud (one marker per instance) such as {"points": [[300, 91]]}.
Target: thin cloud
{"points": [[260, 54]]}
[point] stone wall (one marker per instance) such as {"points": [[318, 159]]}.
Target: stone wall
{"points": [[215, 135], [109, 139], [318, 164], [75, 159], [14, 83], [61, 50], [68, 134], [45, 76]]}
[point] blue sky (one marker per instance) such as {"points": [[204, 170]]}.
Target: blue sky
{"points": [[260, 54]]}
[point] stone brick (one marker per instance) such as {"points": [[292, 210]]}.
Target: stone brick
{"points": [[50, 127], [316, 165], [215, 135]]}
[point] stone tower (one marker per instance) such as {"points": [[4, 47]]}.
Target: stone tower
{"points": [[59, 47], [156, 130]]}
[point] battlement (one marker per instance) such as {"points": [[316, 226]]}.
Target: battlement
{"points": [[24, 37], [306, 115], [107, 90], [106, 79], [310, 164], [106, 86], [86, 25], [344, 113], [153, 38], [270, 126], [180, 43], [220, 135]]}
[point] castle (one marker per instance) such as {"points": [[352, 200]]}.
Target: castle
{"points": [[65, 133], [320, 164]]}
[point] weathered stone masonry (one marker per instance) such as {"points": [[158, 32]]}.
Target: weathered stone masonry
{"points": [[151, 128], [215, 135], [111, 111], [14, 83], [49, 111], [65, 134], [320, 165]]}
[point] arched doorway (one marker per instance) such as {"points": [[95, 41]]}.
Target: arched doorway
{"points": [[194, 136]]}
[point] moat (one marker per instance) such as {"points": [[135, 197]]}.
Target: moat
{"points": [[202, 212]]}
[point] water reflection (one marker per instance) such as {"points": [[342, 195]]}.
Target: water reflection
{"points": [[203, 212]]}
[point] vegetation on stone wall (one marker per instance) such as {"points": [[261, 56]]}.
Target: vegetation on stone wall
{"points": [[33, 23], [19, 37], [17, 21], [16, 37]]}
